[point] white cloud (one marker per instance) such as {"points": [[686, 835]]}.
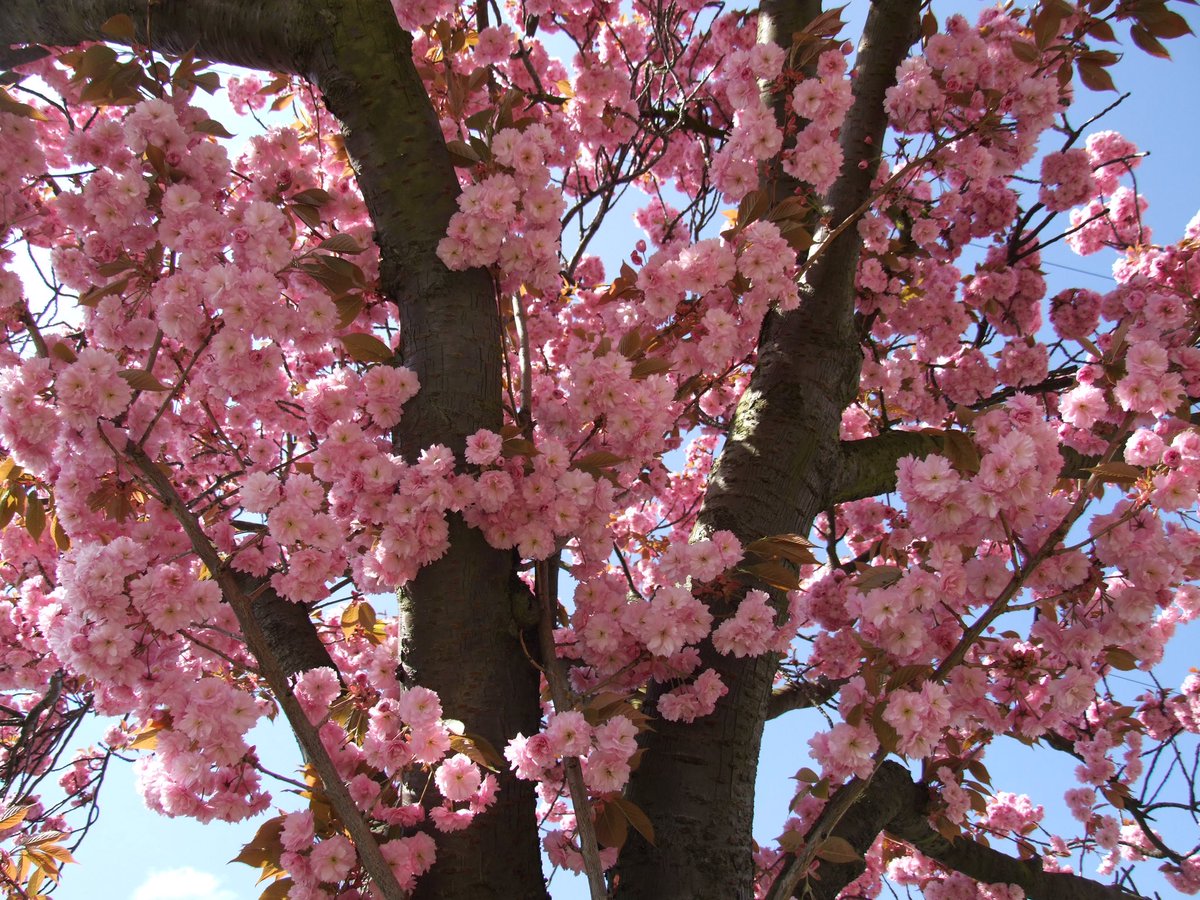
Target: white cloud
{"points": [[182, 884]]}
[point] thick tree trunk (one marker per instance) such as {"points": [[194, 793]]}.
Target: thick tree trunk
{"points": [[774, 475], [458, 633], [459, 636]]}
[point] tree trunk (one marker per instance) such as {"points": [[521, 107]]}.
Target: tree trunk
{"points": [[459, 635], [774, 475]]}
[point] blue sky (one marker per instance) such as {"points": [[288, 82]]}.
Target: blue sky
{"points": [[133, 854]]}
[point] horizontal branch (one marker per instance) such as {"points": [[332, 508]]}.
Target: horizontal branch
{"points": [[892, 802], [277, 35], [869, 465], [990, 866], [804, 695]]}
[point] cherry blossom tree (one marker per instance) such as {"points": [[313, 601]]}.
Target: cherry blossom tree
{"points": [[796, 443]]}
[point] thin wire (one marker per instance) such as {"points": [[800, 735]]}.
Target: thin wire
{"points": [[978, 246]]}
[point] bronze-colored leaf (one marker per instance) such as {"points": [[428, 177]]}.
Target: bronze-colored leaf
{"points": [[17, 108], [961, 451], [348, 307], [876, 577], [462, 154], [479, 750], [146, 739], [306, 213], [775, 574], [836, 849], [1094, 77], [366, 348], [790, 547], [35, 517], [61, 540], [636, 817], [141, 380], [791, 840], [612, 827], [14, 816], [213, 127], [1120, 658], [630, 344], [600, 459], [906, 675], [265, 847], [1116, 472], [518, 447], [312, 197], [62, 350], [1166, 23], [341, 243], [278, 890]]}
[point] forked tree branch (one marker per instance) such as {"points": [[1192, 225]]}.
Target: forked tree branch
{"points": [[895, 804]]}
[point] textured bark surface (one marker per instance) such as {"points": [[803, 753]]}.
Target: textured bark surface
{"points": [[895, 804], [287, 627], [868, 466], [459, 638], [278, 35], [774, 475], [782, 464]]}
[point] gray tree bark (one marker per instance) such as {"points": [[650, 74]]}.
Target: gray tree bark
{"points": [[460, 638], [782, 464]]}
